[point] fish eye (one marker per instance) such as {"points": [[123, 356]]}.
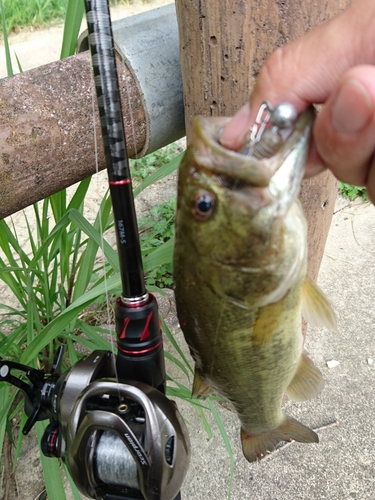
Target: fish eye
{"points": [[203, 206]]}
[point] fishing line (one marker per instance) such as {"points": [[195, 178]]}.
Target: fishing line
{"points": [[109, 104], [113, 94], [138, 331], [101, 231], [130, 110], [102, 62]]}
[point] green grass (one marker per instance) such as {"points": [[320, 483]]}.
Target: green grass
{"points": [[32, 13], [142, 168], [156, 229], [353, 192], [38, 13]]}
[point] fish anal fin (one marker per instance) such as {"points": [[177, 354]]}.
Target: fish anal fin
{"points": [[316, 308], [307, 382], [200, 388], [256, 446]]}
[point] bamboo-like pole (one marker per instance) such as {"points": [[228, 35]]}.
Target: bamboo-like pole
{"points": [[223, 45]]}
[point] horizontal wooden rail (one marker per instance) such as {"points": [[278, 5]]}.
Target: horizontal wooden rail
{"points": [[47, 118]]}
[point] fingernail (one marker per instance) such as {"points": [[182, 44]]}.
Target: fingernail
{"points": [[352, 109]]}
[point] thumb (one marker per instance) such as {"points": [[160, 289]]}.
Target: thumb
{"points": [[309, 69], [344, 130]]}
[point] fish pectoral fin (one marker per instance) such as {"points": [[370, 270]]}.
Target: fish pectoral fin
{"points": [[200, 388], [316, 308], [307, 381], [256, 446]]}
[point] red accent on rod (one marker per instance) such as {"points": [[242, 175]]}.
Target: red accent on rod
{"points": [[145, 332], [120, 183], [145, 351], [123, 331]]}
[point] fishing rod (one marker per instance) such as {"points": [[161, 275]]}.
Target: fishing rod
{"points": [[137, 322], [109, 419]]}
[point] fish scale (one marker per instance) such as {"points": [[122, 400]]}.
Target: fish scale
{"points": [[240, 280]]}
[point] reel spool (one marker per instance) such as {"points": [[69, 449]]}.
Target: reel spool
{"points": [[123, 439]]}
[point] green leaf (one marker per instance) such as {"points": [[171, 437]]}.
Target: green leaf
{"points": [[9, 242], [87, 262], [18, 63], [174, 343], [225, 438], [352, 192], [73, 487], [6, 401], [97, 340], [78, 199], [73, 20], [95, 235], [159, 174], [51, 470], [6, 41], [177, 362], [160, 256], [22, 423], [205, 424]]}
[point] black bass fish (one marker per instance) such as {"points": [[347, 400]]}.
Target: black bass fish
{"points": [[240, 281]]}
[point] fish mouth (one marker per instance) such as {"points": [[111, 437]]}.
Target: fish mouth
{"points": [[212, 156]]}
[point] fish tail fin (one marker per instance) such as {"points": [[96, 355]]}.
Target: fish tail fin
{"points": [[255, 446]]}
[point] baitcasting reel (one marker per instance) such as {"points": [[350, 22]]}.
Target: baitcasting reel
{"points": [[120, 441]]}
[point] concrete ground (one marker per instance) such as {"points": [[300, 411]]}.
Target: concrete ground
{"points": [[342, 466]]}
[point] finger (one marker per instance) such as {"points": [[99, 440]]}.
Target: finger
{"points": [[314, 164], [307, 70], [344, 130], [232, 137]]}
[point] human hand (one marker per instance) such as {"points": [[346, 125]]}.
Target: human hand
{"points": [[330, 65]]}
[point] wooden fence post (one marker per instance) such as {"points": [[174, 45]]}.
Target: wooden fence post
{"points": [[223, 45]]}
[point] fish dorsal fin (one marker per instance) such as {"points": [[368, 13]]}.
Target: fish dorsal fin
{"points": [[315, 307]]}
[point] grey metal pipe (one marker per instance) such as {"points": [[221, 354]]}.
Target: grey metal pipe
{"points": [[150, 48], [46, 114], [148, 44]]}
